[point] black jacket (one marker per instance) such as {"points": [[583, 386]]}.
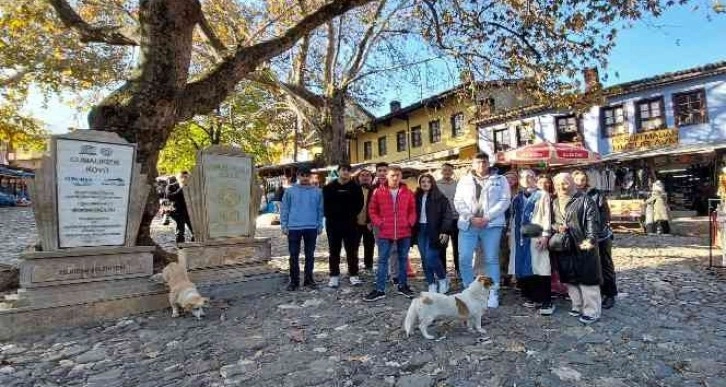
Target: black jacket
{"points": [[342, 202], [581, 217], [439, 215], [175, 194], [603, 211]]}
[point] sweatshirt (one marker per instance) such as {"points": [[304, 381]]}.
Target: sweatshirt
{"points": [[342, 202], [494, 199], [302, 208]]}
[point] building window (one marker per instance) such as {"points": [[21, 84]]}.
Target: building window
{"points": [[501, 140], [650, 114], [367, 150], [401, 141], [690, 108], [416, 141], [435, 131], [382, 146], [457, 124], [525, 134], [567, 128], [613, 121]]}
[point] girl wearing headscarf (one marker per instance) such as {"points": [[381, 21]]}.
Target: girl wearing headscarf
{"points": [[576, 216], [530, 259]]}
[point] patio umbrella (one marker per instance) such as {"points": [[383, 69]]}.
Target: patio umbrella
{"points": [[549, 154]]}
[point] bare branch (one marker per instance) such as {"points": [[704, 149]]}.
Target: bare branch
{"points": [[113, 35], [298, 74], [363, 45], [330, 56], [393, 68], [271, 83], [207, 93]]}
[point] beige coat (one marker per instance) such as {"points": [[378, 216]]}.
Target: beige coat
{"points": [[540, 258], [659, 201]]}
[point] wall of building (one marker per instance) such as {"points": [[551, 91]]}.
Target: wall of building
{"points": [[504, 98], [714, 130]]}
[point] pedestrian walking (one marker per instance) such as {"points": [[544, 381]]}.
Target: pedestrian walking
{"points": [[481, 200], [342, 201], [301, 219], [363, 221], [609, 288], [447, 185], [530, 258], [575, 247], [179, 213], [393, 215], [432, 231]]}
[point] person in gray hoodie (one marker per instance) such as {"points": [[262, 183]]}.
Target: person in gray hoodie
{"points": [[301, 219]]}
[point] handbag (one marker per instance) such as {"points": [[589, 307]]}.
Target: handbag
{"points": [[531, 230], [561, 242]]}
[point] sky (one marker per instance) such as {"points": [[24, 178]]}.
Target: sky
{"points": [[679, 39]]}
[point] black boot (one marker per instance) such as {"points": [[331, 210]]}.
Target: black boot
{"points": [[608, 302]]}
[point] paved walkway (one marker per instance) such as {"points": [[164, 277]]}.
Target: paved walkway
{"points": [[668, 329]]}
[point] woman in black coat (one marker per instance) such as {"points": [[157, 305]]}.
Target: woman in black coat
{"points": [[576, 215], [434, 222]]}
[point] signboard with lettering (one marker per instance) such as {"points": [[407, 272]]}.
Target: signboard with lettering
{"points": [[653, 139], [626, 208], [93, 185], [227, 189]]}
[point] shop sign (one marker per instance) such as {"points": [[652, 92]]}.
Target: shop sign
{"points": [[643, 141], [626, 208]]}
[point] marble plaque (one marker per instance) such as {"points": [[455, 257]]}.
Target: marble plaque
{"points": [[227, 182], [94, 181]]}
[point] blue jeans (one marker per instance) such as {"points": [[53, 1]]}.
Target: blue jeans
{"points": [[384, 251], [489, 238], [294, 239], [430, 254]]}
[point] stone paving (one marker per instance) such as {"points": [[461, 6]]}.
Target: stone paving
{"points": [[667, 329]]}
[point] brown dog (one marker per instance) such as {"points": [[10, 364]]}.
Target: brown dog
{"points": [[182, 292]]}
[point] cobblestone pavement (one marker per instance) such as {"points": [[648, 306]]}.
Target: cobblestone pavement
{"points": [[667, 329]]}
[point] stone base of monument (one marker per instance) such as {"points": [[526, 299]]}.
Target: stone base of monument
{"points": [[66, 288], [229, 260]]}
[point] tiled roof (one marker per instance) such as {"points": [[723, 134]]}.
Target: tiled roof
{"points": [[439, 97]]}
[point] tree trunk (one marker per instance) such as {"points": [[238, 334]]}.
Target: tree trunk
{"points": [[143, 111], [332, 134]]}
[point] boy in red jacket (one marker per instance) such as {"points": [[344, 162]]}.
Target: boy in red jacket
{"points": [[393, 214]]}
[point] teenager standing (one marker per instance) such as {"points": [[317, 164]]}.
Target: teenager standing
{"points": [[363, 221], [301, 219], [447, 185], [432, 229], [393, 215], [342, 201]]}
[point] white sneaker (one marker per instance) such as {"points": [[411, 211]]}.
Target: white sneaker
{"points": [[493, 299], [334, 282], [432, 288], [355, 281], [443, 286]]}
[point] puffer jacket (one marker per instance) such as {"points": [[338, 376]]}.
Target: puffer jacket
{"points": [[393, 220], [493, 201], [582, 218]]}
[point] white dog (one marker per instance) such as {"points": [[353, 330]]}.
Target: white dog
{"points": [[468, 305]]}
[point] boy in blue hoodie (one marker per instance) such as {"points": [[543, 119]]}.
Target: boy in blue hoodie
{"points": [[301, 219]]}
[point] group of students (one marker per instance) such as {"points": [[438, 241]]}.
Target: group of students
{"points": [[543, 231]]}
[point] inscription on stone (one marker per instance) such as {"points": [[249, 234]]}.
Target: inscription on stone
{"points": [[93, 181], [84, 268], [227, 194]]}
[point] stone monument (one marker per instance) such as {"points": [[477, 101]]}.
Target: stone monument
{"points": [[223, 199], [88, 199]]}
